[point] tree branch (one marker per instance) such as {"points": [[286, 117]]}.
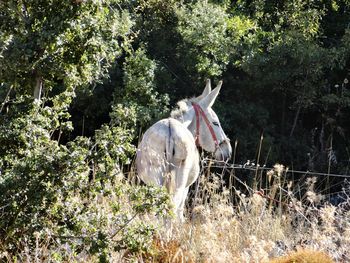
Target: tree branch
{"points": [[6, 98], [295, 121]]}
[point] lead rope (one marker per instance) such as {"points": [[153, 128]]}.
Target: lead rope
{"points": [[167, 180], [195, 107]]}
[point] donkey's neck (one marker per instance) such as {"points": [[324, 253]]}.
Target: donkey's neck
{"points": [[187, 119], [184, 113]]}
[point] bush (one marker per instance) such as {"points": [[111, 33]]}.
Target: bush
{"points": [[70, 195]]}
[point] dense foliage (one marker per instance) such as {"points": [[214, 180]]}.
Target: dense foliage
{"points": [[81, 79]]}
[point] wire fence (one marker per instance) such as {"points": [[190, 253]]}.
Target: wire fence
{"points": [[259, 171], [256, 167]]}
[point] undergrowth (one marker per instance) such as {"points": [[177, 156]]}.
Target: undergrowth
{"points": [[224, 225], [282, 223]]}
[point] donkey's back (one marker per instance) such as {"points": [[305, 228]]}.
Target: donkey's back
{"points": [[167, 156]]}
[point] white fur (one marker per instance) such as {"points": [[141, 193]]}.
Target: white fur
{"points": [[168, 156]]}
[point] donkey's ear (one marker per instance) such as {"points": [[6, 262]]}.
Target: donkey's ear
{"points": [[206, 90], [209, 100]]}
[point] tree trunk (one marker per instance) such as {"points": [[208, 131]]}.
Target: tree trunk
{"points": [[283, 117], [295, 121], [38, 88]]}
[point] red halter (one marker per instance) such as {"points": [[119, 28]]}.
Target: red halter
{"points": [[199, 112]]}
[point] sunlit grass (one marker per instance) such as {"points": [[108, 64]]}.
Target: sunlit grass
{"points": [[227, 225]]}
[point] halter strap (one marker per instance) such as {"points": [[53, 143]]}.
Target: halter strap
{"points": [[200, 113]]}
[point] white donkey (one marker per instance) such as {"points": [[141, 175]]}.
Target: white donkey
{"points": [[168, 156]]}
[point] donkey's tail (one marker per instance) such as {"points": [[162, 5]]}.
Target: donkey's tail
{"points": [[169, 180]]}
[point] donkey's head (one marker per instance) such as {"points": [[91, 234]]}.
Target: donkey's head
{"points": [[204, 124]]}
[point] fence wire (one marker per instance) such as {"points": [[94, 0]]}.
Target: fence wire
{"points": [[207, 162]]}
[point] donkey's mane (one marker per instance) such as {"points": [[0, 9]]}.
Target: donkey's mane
{"points": [[181, 108]]}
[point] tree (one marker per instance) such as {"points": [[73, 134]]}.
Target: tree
{"points": [[48, 188], [45, 44]]}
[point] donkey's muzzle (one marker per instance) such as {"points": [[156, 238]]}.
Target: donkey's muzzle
{"points": [[223, 151]]}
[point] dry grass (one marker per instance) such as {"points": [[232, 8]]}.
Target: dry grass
{"points": [[168, 251], [253, 230], [304, 256], [256, 228]]}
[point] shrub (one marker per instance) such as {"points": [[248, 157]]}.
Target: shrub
{"points": [[72, 195]]}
